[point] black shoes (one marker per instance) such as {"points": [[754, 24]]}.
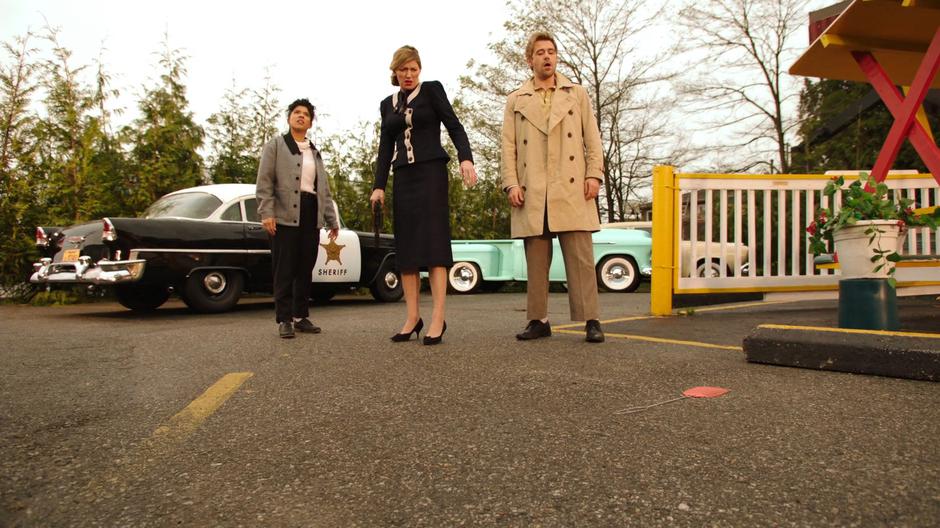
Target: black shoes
{"points": [[286, 329], [535, 330], [428, 340], [398, 338], [304, 325], [593, 332]]}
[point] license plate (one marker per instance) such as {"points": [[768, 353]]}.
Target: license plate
{"points": [[71, 255]]}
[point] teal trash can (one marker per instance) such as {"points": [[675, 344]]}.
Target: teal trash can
{"points": [[868, 304]]}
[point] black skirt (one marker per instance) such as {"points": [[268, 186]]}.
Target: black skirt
{"points": [[421, 216]]}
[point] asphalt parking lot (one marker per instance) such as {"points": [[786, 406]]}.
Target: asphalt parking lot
{"points": [[113, 418]]}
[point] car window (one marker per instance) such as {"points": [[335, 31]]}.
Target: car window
{"points": [[233, 213], [251, 210], [195, 205]]}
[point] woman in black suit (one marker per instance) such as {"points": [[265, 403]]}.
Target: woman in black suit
{"points": [[410, 145]]}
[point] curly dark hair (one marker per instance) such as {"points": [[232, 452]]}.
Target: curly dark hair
{"points": [[305, 103]]}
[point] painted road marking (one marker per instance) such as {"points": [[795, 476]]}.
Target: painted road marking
{"points": [[605, 321], [736, 306], [185, 422], [661, 340], [851, 331], [164, 440], [570, 328]]}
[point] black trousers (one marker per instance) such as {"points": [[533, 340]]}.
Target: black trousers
{"points": [[293, 254]]}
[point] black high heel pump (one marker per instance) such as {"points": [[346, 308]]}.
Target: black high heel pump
{"points": [[428, 340], [398, 338]]}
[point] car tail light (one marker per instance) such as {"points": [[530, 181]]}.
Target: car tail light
{"points": [[108, 232], [41, 239]]}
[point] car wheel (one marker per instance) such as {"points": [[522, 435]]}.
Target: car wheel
{"points": [[387, 286], [708, 269], [618, 274], [213, 291], [142, 297], [464, 277]]}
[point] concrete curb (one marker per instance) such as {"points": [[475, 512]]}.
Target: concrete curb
{"points": [[895, 354]]}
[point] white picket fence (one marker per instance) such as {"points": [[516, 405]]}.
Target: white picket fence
{"points": [[769, 214]]}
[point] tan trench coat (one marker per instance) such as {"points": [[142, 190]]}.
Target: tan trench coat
{"points": [[550, 157]]}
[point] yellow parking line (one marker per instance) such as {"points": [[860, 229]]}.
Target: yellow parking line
{"points": [[189, 419], [735, 306], [165, 439], [661, 340], [851, 331], [605, 321]]}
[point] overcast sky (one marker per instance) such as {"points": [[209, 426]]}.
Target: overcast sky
{"points": [[336, 53]]}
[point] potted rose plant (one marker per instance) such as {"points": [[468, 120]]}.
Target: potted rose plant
{"points": [[866, 232]]}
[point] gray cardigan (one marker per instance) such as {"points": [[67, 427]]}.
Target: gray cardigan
{"points": [[278, 185]]}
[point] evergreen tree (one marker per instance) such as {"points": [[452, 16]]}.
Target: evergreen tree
{"points": [[233, 158], [266, 114], [165, 139], [350, 162], [70, 140], [481, 211], [237, 133], [862, 129], [109, 158], [18, 216]]}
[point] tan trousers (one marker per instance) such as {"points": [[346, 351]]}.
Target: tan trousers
{"points": [[577, 248]]}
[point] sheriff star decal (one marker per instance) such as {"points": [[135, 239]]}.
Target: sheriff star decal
{"points": [[332, 251]]}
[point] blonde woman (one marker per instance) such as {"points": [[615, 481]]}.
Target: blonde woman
{"points": [[410, 147]]}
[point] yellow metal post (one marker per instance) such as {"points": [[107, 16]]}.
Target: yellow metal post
{"points": [[664, 240]]}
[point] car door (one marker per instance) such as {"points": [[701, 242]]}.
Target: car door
{"points": [[340, 260], [259, 243]]}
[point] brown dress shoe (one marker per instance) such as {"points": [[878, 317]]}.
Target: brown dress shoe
{"points": [[304, 325], [534, 330], [593, 332]]}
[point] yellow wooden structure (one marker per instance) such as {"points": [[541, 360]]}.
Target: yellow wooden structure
{"points": [[886, 43], [897, 32]]}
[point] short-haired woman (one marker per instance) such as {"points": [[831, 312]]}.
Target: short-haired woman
{"points": [[410, 146]]}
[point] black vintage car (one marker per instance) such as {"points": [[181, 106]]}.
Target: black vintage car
{"points": [[207, 245]]}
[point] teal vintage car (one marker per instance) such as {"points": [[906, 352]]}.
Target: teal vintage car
{"points": [[621, 257]]}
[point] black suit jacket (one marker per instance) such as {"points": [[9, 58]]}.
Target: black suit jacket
{"points": [[414, 135]]}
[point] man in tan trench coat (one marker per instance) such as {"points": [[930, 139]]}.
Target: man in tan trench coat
{"points": [[552, 168]]}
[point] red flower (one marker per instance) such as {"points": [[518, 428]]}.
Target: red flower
{"points": [[811, 229]]}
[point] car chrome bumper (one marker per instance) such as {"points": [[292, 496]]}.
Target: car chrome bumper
{"points": [[84, 272], [646, 272]]}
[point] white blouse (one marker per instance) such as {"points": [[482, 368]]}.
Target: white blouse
{"points": [[308, 170]]}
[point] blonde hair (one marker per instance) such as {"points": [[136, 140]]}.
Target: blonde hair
{"points": [[402, 55], [535, 37]]}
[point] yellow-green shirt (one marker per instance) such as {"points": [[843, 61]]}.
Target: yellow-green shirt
{"points": [[546, 94]]}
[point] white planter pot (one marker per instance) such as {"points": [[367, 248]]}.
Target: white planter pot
{"points": [[855, 252]]}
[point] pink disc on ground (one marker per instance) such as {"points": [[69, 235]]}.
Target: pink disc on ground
{"points": [[705, 392]]}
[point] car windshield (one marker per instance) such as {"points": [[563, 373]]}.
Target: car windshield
{"points": [[195, 205]]}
